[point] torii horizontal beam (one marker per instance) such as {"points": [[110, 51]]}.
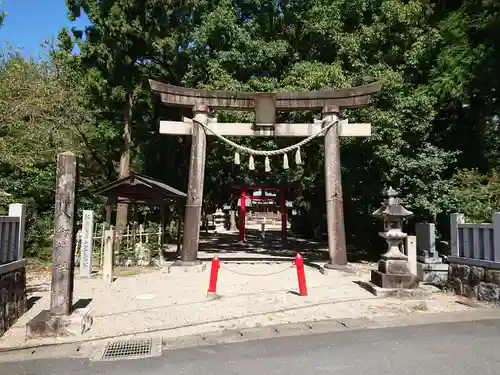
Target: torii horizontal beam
{"points": [[354, 97], [260, 187], [185, 127]]}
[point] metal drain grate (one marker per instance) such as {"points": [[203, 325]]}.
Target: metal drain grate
{"points": [[131, 349]]}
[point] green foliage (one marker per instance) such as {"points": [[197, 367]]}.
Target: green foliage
{"points": [[437, 114], [41, 115], [264, 46], [477, 195]]}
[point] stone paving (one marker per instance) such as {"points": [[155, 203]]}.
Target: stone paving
{"points": [[250, 295]]}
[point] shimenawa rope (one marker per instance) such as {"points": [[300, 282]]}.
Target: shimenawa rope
{"points": [[283, 151]]}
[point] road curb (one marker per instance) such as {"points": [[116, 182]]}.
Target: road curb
{"points": [[87, 349], [327, 326]]}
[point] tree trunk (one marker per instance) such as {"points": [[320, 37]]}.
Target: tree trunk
{"points": [[122, 209]]}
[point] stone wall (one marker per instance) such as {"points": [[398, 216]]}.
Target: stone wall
{"points": [[12, 296], [474, 282]]}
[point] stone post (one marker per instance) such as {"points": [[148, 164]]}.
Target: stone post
{"points": [[232, 220], [63, 253], [411, 253], [87, 243], [333, 186], [61, 319], [19, 210], [189, 250], [179, 228], [108, 262]]}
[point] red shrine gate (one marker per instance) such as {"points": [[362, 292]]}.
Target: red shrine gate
{"points": [[243, 195]]}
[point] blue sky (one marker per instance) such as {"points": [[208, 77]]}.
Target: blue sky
{"points": [[30, 22]]}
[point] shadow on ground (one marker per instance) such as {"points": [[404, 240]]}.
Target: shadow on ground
{"points": [[31, 301], [271, 245], [82, 303], [268, 248]]}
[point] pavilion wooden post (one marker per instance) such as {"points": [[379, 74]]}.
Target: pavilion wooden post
{"points": [[108, 213], [333, 187], [284, 214], [243, 212], [179, 228], [189, 251], [109, 256], [163, 224]]}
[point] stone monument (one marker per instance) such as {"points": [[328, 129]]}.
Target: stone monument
{"points": [[232, 220], [393, 273], [263, 227], [430, 266], [63, 318], [231, 213], [87, 243]]}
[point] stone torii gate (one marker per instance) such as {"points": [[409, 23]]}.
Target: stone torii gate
{"points": [[265, 105]]}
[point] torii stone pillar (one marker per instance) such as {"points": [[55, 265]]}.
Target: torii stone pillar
{"points": [[333, 186], [194, 202]]}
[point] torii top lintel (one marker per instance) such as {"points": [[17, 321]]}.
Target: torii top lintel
{"points": [[354, 97]]}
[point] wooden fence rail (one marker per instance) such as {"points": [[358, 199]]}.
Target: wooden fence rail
{"points": [[475, 244], [12, 234], [12, 267], [132, 236]]}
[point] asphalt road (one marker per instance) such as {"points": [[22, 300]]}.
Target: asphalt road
{"points": [[444, 349]]}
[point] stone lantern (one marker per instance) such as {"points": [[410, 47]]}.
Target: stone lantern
{"points": [[219, 219], [393, 270]]}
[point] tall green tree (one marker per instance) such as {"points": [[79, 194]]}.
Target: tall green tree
{"points": [[110, 52], [437, 61], [466, 78], [265, 45], [42, 114]]}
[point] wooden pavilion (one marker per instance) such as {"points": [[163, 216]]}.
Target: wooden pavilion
{"points": [[138, 189]]}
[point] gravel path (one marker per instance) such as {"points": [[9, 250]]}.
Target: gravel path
{"points": [[156, 300]]}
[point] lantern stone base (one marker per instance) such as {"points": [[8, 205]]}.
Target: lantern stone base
{"points": [[393, 279], [394, 273], [417, 293], [387, 280]]}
